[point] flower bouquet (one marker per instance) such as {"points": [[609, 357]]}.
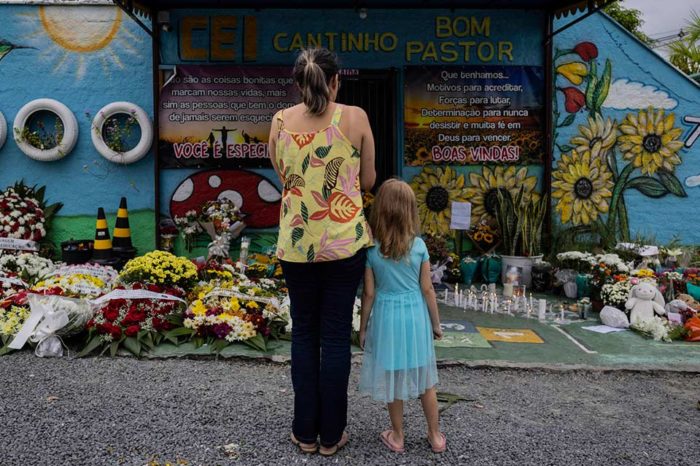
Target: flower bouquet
{"points": [[657, 328], [14, 311], [616, 294], [135, 316], [160, 268], [104, 272], [10, 286], [220, 219], [236, 313], [75, 285], [26, 266], [24, 217]]}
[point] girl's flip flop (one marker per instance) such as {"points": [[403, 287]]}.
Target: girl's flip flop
{"points": [[386, 440], [439, 448]]}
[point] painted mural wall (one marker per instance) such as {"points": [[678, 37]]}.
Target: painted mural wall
{"points": [[442, 57], [627, 153], [85, 57]]}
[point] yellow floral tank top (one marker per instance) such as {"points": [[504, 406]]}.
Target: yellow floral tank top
{"points": [[321, 218]]}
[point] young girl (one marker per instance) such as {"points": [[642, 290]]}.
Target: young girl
{"points": [[399, 316]]}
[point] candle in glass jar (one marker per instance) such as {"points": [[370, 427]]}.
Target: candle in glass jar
{"points": [[507, 290]]}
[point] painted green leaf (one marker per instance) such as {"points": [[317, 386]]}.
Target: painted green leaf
{"points": [[323, 151], [304, 212], [297, 235], [671, 183], [355, 153], [592, 83], [310, 255], [359, 231], [305, 163], [603, 86], [565, 148], [648, 186], [285, 210], [567, 121]]}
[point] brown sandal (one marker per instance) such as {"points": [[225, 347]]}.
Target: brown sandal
{"points": [[309, 448], [330, 451]]}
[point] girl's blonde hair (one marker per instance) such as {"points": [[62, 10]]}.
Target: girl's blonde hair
{"points": [[394, 218]]}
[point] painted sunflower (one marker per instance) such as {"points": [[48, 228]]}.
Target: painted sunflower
{"points": [[483, 192], [435, 189], [650, 141], [583, 186], [598, 137]]}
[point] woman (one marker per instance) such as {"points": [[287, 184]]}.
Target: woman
{"points": [[323, 153]]}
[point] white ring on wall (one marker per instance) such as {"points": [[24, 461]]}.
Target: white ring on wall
{"points": [[144, 122], [3, 130], [70, 130]]}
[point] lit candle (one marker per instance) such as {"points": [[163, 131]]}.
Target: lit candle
{"points": [[541, 309]]}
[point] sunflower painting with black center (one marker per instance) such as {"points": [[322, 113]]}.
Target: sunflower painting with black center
{"points": [[436, 188], [483, 192]]}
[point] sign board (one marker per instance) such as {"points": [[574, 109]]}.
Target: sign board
{"points": [[220, 116], [462, 115]]}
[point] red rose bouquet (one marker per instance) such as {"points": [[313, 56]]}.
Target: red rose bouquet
{"points": [[23, 213], [135, 316]]}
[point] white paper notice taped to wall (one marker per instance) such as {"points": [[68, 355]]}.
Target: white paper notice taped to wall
{"points": [[461, 215]]}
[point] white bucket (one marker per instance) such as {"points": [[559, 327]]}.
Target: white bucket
{"points": [[524, 266]]}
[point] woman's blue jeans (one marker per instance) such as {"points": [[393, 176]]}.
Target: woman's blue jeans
{"points": [[322, 296]]}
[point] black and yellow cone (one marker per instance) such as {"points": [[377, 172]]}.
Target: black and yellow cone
{"points": [[102, 248], [122, 233]]}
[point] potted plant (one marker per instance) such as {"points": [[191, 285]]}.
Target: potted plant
{"points": [[520, 221]]}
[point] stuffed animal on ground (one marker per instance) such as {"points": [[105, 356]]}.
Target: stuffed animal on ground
{"points": [[645, 299]]}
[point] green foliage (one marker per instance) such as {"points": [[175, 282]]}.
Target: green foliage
{"points": [[520, 222], [629, 18], [685, 53]]}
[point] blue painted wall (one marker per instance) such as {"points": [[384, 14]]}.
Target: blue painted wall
{"points": [[404, 38], [84, 57], [663, 187]]}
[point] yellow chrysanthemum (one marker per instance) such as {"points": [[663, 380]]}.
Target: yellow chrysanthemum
{"points": [[650, 141], [598, 137], [198, 308], [483, 192], [435, 189], [234, 305], [583, 187], [252, 305]]}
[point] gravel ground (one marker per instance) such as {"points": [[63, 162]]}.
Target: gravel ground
{"points": [[124, 411]]}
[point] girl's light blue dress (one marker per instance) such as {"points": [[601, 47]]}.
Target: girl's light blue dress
{"points": [[399, 359]]}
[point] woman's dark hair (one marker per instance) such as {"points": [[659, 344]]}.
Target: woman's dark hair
{"points": [[313, 71]]}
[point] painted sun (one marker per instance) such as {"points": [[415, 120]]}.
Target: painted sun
{"points": [[81, 38]]}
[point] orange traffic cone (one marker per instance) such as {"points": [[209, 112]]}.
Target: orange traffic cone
{"points": [[122, 233], [102, 248]]}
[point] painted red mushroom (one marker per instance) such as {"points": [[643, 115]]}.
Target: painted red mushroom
{"points": [[255, 195]]}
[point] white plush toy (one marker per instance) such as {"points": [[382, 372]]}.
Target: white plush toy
{"points": [[644, 300]]}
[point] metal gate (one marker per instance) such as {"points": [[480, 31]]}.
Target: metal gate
{"points": [[375, 92]]}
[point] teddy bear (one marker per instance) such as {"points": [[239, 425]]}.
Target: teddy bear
{"points": [[644, 300]]}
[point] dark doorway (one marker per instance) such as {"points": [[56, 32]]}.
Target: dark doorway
{"points": [[375, 92]]}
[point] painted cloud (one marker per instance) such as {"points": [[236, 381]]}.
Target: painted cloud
{"points": [[625, 94], [692, 181]]}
